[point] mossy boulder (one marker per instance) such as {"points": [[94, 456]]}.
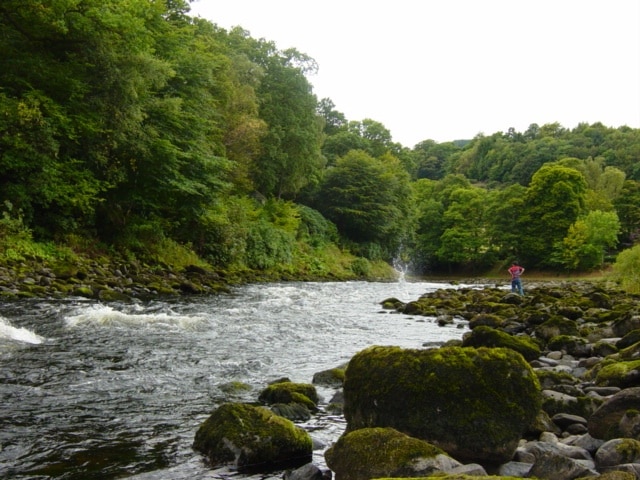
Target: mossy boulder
{"points": [[554, 326], [486, 320], [619, 374], [374, 452], [252, 439], [473, 403], [484, 336], [573, 345], [333, 377], [629, 339], [290, 392], [457, 476]]}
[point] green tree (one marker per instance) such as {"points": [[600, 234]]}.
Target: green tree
{"points": [[553, 202], [505, 208], [430, 158], [587, 241], [290, 157], [627, 206], [627, 269], [464, 240], [367, 199]]}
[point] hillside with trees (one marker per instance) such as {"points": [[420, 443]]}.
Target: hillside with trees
{"points": [[132, 129]]}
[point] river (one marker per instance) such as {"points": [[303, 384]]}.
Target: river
{"points": [[104, 391]]}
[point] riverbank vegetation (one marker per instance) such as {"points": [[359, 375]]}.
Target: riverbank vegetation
{"points": [[133, 131]]}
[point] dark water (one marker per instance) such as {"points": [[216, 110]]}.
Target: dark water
{"points": [[95, 391]]}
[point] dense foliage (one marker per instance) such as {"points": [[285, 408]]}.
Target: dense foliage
{"points": [[131, 127]]}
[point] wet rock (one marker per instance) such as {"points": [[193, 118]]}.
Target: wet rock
{"points": [[290, 392], [253, 439], [384, 452], [306, 472]]}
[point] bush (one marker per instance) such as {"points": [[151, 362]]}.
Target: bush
{"points": [[627, 269]]}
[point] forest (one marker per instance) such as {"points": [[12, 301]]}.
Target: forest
{"points": [[130, 128]]}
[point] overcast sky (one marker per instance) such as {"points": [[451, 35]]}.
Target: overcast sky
{"points": [[451, 69]]}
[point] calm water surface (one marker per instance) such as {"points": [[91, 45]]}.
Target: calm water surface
{"points": [[96, 391]]}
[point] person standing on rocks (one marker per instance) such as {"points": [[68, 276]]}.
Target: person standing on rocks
{"points": [[515, 270]]}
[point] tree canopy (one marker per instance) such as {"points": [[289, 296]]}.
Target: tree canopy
{"points": [[130, 123]]}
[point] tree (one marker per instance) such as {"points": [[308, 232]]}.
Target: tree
{"points": [[627, 206], [430, 158], [464, 240], [290, 157], [587, 241], [627, 269], [505, 208], [367, 199], [334, 121], [553, 202]]}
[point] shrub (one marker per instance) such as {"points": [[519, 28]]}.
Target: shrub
{"points": [[627, 269]]}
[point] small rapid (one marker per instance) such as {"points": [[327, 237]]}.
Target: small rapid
{"points": [[100, 391]]}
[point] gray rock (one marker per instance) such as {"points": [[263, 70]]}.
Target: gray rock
{"points": [[306, 472], [618, 451], [515, 469], [472, 469], [604, 423], [563, 420], [585, 441], [553, 466]]}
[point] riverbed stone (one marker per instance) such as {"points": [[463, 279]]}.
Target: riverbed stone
{"points": [[608, 421], [384, 452], [555, 466], [473, 403], [618, 451], [286, 392], [252, 439], [485, 336]]}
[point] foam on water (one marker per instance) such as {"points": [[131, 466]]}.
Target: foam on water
{"points": [[9, 332], [106, 316]]}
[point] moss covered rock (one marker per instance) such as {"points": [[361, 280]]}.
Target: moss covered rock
{"points": [[619, 374], [554, 326], [444, 476], [290, 392], [252, 439], [485, 336], [373, 452], [473, 403]]}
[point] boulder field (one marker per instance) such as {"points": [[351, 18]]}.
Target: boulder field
{"points": [[545, 386]]}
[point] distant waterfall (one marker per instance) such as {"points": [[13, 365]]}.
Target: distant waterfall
{"points": [[401, 265]]}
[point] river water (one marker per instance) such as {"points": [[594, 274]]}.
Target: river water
{"points": [[96, 391]]}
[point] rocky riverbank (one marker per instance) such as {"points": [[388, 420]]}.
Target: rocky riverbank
{"points": [[577, 343], [582, 341], [109, 279]]}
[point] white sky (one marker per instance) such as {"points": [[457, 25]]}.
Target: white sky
{"points": [[451, 69]]}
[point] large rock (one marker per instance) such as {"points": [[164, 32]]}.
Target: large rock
{"points": [[618, 451], [615, 417], [484, 336], [252, 438], [475, 404], [384, 452]]}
